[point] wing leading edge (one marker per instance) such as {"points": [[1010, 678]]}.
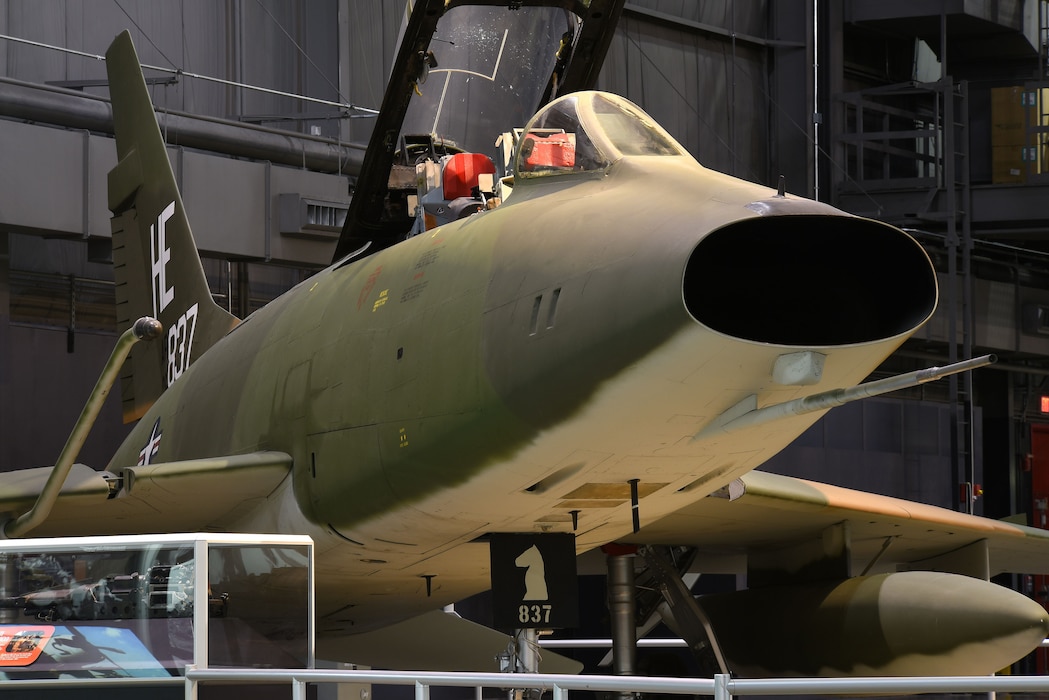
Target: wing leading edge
{"points": [[776, 512], [149, 498]]}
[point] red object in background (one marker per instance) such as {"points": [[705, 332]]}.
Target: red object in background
{"points": [[461, 173], [1039, 467]]}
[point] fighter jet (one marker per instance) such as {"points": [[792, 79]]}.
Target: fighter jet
{"points": [[588, 333]]}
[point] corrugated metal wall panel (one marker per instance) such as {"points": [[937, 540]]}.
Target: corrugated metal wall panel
{"points": [[269, 57], [206, 30], [710, 95], [242, 41], [321, 77], [743, 17], [372, 31], [157, 29], [37, 21]]}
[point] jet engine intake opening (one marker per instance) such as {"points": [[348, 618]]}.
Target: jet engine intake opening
{"points": [[810, 281]]}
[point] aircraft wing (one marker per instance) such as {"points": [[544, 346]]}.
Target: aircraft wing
{"points": [[154, 497], [768, 513]]}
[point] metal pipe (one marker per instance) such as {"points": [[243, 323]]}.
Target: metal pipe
{"points": [[143, 329], [721, 691], [678, 686], [623, 613], [627, 684], [179, 72], [527, 644], [70, 109], [721, 687], [1000, 366], [606, 642]]}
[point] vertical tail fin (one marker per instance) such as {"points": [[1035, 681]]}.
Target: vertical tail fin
{"points": [[156, 265]]}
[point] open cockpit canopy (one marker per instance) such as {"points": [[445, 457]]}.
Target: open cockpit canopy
{"points": [[486, 72], [467, 73]]}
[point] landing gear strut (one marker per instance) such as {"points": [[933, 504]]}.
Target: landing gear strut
{"points": [[661, 590], [623, 608]]}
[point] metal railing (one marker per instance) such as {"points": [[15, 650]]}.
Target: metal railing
{"points": [[720, 687]]}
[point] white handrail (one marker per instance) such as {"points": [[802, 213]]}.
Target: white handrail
{"points": [[606, 643], [721, 687], [547, 681]]}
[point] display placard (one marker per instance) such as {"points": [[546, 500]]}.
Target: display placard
{"points": [[534, 581]]}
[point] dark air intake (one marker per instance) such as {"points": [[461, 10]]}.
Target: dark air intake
{"points": [[809, 280]]}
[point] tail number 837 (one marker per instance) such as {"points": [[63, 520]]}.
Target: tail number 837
{"points": [[180, 343]]}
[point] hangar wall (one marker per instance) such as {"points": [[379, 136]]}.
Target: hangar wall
{"points": [[248, 42], [700, 72]]}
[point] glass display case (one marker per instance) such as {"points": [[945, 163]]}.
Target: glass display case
{"points": [[150, 605]]}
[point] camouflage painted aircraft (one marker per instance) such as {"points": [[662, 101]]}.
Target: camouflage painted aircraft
{"points": [[598, 351]]}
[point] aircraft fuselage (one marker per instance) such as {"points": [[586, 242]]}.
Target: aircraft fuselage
{"points": [[502, 371]]}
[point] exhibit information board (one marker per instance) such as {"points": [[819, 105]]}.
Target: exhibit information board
{"points": [[151, 605]]}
